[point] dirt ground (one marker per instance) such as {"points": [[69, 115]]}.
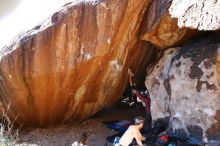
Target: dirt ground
{"points": [[65, 135]]}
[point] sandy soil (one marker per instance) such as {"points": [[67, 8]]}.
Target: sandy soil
{"points": [[65, 135]]}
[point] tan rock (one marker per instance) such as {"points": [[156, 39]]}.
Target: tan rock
{"points": [[161, 29], [196, 14], [73, 64], [184, 84]]}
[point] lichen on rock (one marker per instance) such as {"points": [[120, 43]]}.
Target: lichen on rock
{"points": [[184, 84], [196, 14]]}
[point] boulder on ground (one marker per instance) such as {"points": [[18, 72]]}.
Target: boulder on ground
{"points": [[74, 63], [184, 84], [159, 28], [196, 14]]}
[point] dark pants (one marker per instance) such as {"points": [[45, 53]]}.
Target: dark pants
{"points": [[147, 129]]}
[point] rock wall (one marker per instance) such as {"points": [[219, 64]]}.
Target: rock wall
{"points": [[73, 64], [159, 28], [196, 14], [184, 84]]}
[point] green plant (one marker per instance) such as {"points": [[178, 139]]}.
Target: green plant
{"points": [[8, 135]]}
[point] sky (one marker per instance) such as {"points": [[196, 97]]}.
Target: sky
{"points": [[21, 15]]}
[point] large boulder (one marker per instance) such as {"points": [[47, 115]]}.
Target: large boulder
{"points": [[159, 28], [74, 63], [184, 84], [196, 14]]}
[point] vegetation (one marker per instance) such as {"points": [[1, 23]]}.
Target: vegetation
{"points": [[8, 135]]}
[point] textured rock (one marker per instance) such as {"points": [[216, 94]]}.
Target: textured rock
{"points": [[161, 29], [197, 14], [73, 64], [184, 84]]}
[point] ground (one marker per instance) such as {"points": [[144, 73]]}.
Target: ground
{"points": [[65, 135]]}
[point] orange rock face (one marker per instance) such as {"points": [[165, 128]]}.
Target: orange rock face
{"points": [[73, 64], [161, 29]]}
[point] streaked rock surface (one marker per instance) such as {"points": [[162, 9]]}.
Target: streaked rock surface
{"points": [[73, 64], [161, 29]]}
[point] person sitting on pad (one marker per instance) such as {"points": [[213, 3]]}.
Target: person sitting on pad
{"points": [[133, 132]]}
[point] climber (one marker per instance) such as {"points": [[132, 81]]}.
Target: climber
{"points": [[132, 132], [127, 96], [142, 94], [132, 79]]}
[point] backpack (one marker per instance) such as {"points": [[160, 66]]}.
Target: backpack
{"points": [[162, 140]]}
